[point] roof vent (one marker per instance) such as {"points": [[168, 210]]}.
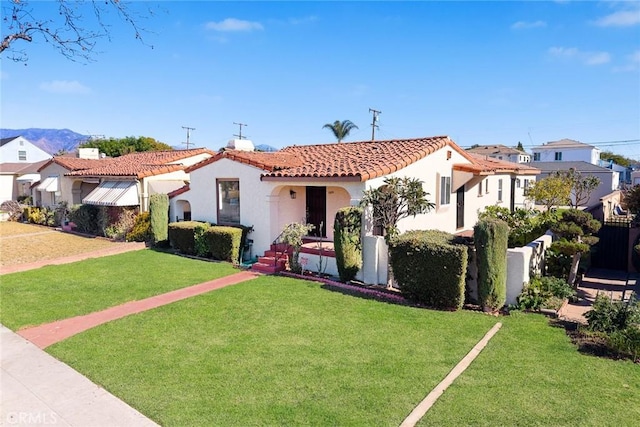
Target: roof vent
{"points": [[240, 145]]}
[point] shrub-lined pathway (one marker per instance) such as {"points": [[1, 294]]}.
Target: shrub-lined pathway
{"points": [[51, 333]]}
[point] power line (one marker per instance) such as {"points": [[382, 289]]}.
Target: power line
{"points": [[239, 135], [376, 113], [188, 134]]}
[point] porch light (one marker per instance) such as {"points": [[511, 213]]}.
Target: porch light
{"points": [[292, 194]]}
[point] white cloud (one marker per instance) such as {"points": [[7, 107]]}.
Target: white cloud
{"points": [[597, 58], [588, 58], [233, 25], [623, 18], [633, 63], [65, 87], [303, 20], [522, 25]]}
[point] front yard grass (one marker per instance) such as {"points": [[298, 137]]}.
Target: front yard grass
{"points": [[275, 351], [58, 292], [25, 243], [531, 374], [279, 351]]}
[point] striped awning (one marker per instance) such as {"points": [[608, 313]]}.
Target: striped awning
{"points": [[114, 193], [49, 184], [28, 177]]}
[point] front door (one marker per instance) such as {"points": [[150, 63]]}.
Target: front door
{"points": [[317, 210], [460, 207]]}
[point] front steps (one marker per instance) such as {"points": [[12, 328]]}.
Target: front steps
{"points": [[274, 260]]}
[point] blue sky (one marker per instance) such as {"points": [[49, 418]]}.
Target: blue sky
{"points": [[481, 72]]}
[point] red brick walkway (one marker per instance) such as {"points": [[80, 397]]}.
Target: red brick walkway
{"points": [[51, 333]]}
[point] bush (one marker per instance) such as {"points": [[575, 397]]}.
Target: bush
{"points": [[347, 228], [544, 292], [609, 316], [85, 217], [141, 231], [224, 243], [159, 211], [430, 268], [626, 341], [491, 236], [181, 236], [122, 226], [525, 225], [200, 244], [41, 216]]}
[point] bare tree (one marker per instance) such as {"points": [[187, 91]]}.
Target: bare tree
{"points": [[73, 29]]}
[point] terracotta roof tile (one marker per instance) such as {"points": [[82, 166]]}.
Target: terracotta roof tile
{"points": [[75, 163], [141, 165], [268, 161], [359, 161], [482, 165], [179, 191]]}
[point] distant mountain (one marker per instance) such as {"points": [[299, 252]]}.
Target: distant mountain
{"points": [[50, 140], [265, 147]]}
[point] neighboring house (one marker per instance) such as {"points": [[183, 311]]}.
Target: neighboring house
{"points": [[609, 178], [501, 152], [566, 150], [635, 177], [17, 149], [624, 173], [310, 183], [129, 180], [54, 187], [16, 179]]}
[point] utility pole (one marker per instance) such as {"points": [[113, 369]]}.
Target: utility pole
{"points": [[376, 113], [188, 134], [239, 135]]}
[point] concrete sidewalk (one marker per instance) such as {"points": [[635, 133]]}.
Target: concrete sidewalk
{"points": [[37, 389]]}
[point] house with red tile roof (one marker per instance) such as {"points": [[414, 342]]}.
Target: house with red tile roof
{"points": [[125, 181], [309, 183]]}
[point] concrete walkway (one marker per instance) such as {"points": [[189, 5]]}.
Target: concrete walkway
{"points": [[37, 389], [612, 283], [117, 248], [51, 333]]}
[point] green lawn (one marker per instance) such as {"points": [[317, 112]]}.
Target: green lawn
{"points": [[530, 374], [275, 351], [61, 291]]}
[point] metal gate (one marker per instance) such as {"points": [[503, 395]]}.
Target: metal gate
{"points": [[612, 250]]}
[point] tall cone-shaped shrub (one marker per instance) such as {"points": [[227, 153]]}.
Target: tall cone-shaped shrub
{"points": [[347, 227], [491, 237], [159, 215]]}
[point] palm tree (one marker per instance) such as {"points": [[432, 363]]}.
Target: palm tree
{"points": [[341, 129]]}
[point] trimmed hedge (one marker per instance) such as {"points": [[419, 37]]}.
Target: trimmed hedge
{"points": [[159, 211], [491, 238], [181, 236], [224, 243], [347, 227], [430, 268]]}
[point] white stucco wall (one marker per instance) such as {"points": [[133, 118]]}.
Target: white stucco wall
{"points": [[7, 187], [586, 154], [9, 152], [255, 198], [522, 263]]}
